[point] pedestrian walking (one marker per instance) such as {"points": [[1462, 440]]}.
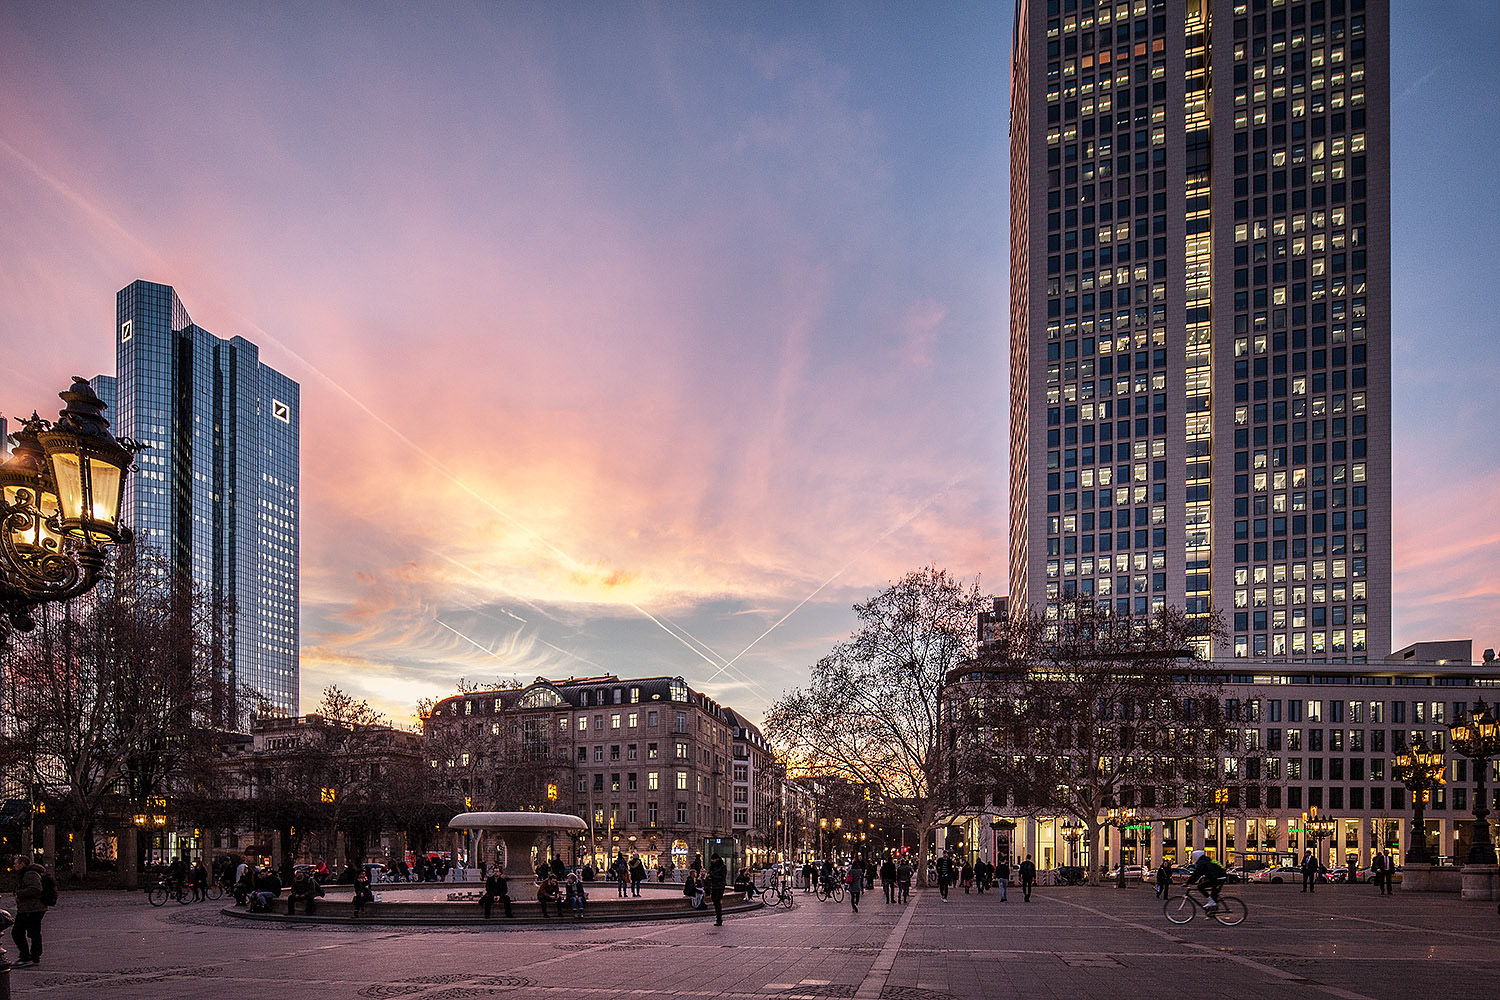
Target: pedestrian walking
{"points": [[856, 881], [966, 877], [809, 872], [944, 875], [718, 875], [1002, 878], [1164, 880], [1028, 877], [888, 879], [31, 907], [1309, 872], [903, 879]]}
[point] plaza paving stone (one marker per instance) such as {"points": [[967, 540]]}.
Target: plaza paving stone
{"points": [[1081, 942]]}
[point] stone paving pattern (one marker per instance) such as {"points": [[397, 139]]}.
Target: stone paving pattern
{"points": [[1084, 942]]}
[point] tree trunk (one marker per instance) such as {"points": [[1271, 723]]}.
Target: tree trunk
{"points": [[81, 851]]}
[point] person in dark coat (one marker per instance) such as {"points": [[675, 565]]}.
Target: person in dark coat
{"points": [[363, 893], [718, 875], [305, 888], [1164, 880], [548, 891], [27, 932], [944, 875], [1309, 872], [888, 879], [856, 881], [496, 887], [1002, 878], [1028, 877]]}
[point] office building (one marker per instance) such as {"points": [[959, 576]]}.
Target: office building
{"points": [[1200, 316], [216, 490]]}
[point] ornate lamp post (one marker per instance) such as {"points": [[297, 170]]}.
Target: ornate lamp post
{"points": [[1419, 769], [1476, 735], [1319, 828], [60, 496], [1072, 831], [1119, 817]]}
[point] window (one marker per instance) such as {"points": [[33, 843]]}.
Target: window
{"points": [[682, 751], [614, 752], [598, 753], [634, 718], [630, 813], [652, 781], [651, 813], [614, 782], [598, 782], [651, 751], [630, 753], [682, 782], [681, 726], [651, 718], [631, 784], [614, 721], [682, 812]]}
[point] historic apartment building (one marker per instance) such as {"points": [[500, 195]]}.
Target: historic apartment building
{"points": [[1200, 316], [646, 762]]}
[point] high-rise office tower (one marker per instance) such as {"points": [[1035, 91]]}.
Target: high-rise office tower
{"points": [[217, 489], [1200, 316]]}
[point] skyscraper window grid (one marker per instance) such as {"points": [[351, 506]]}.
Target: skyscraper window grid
{"points": [[1136, 280], [218, 488]]}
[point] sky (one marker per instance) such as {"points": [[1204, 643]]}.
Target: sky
{"points": [[645, 339]]}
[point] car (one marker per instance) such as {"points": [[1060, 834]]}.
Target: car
{"points": [[1366, 874], [1133, 873], [1281, 873]]}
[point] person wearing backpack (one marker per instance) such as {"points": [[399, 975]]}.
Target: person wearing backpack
{"points": [[32, 893]]}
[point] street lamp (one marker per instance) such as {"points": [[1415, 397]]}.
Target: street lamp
{"points": [[1072, 831], [1419, 769], [1119, 818], [1476, 735], [60, 496], [1319, 828]]}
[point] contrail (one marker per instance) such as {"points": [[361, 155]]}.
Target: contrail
{"points": [[903, 522]]}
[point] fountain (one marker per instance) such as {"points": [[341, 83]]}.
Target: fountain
{"points": [[518, 831]]}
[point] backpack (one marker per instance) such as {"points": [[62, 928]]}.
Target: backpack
{"points": [[49, 889]]}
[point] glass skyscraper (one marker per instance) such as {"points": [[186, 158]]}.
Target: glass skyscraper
{"points": [[1200, 316], [217, 489]]}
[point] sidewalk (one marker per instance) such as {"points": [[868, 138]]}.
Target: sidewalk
{"points": [[1069, 942]]}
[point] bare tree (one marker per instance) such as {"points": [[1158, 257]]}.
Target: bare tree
{"points": [[111, 696], [1080, 713], [492, 759], [870, 712]]}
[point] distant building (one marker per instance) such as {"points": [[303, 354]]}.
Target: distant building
{"points": [[644, 761], [217, 490]]}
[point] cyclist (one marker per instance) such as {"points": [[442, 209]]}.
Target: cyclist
{"points": [[827, 874], [1210, 877]]}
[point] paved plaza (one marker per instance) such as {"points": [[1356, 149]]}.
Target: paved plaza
{"points": [[1342, 941]]}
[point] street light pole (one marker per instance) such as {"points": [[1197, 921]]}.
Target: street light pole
{"points": [[1476, 735], [1418, 768]]}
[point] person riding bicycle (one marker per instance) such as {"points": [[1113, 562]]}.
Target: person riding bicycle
{"points": [[827, 874], [1210, 877]]}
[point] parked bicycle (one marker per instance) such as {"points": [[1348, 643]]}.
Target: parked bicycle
{"points": [[779, 893], [1181, 909], [163, 891]]}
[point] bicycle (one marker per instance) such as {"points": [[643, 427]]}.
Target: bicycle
{"points": [[1230, 912], [833, 890], [161, 892], [779, 893]]}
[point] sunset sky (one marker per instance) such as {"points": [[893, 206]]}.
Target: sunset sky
{"points": [[645, 339]]}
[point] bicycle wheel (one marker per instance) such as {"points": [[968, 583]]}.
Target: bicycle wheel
{"points": [[822, 892], [214, 891], [158, 896], [1180, 910], [1231, 911], [838, 892], [184, 897], [788, 898]]}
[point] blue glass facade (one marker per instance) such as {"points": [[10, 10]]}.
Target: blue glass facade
{"points": [[217, 490]]}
